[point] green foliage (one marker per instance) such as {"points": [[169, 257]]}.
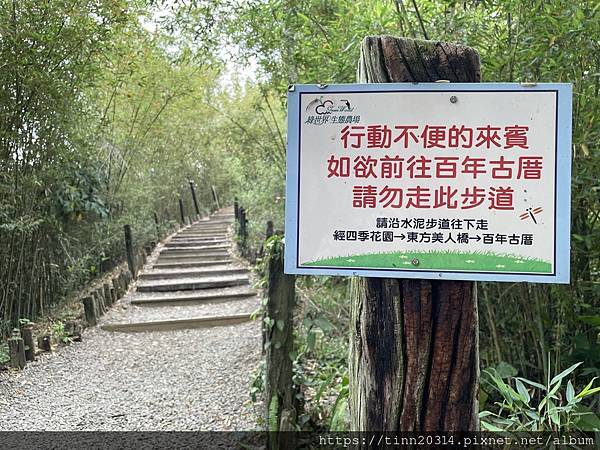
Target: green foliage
{"points": [[257, 382], [100, 129], [320, 359], [532, 406], [59, 333], [273, 414], [4, 354]]}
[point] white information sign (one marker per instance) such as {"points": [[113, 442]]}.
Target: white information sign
{"points": [[443, 181]]}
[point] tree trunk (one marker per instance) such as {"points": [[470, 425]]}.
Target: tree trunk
{"points": [[278, 323], [414, 362]]}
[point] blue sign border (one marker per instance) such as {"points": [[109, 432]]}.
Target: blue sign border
{"points": [[562, 231]]}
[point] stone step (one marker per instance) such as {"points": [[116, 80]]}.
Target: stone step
{"points": [[207, 235], [192, 252], [194, 256], [195, 248], [190, 284], [195, 297], [202, 235], [199, 239], [205, 228], [209, 226], [173, 251], [195, 243], [169, 274], [210, 238], [185, 244], [191, 263], [215, 219], [204, 232], [178, 324]]}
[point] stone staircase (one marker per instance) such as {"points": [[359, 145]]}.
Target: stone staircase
{"points": [[191, 281]]}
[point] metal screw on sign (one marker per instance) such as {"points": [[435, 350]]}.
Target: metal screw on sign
{"points": [[415, 262], [453, 99]]}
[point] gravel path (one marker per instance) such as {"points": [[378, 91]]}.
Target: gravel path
{"points": [[176, 380], [211, 308], [184, 380]]}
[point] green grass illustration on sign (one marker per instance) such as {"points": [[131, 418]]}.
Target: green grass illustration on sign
{"points": [[440, 260]]}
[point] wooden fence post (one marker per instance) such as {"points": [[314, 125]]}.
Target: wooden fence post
{"points": [[194, 199], [16, 349], [236, 209], [117, 288], [44, 343], [89, 309], [181, 212], [28, 342], [268, 233], [98, 301], [157, 225], [243, 230], [129, 250], [107, 297], [215, 198], [278, 330], [414, 363]]}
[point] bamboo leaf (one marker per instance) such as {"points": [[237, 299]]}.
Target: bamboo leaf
{"points": [[489, 427], [570, 392], [532, 383], [564, 373], [523, 391]]}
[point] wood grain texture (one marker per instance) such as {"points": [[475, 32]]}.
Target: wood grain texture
{"points": [[414, 363], [279, 344]]}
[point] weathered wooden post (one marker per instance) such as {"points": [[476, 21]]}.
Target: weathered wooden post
{"points": [[98, 300], [44, 343], [128, 279], [28, 341], [269, 231], [268, 234], [278, 331], [89, 309], [181, 212], [157, 225], [236, 209], [117, 288], [215, 198], [194, 199], [414, 363], [16, 349], [107, 297], [243, 231], [129, 250], [122, 283]]}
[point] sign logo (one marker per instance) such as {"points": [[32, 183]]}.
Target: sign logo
{"points": [[323, 110]]}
